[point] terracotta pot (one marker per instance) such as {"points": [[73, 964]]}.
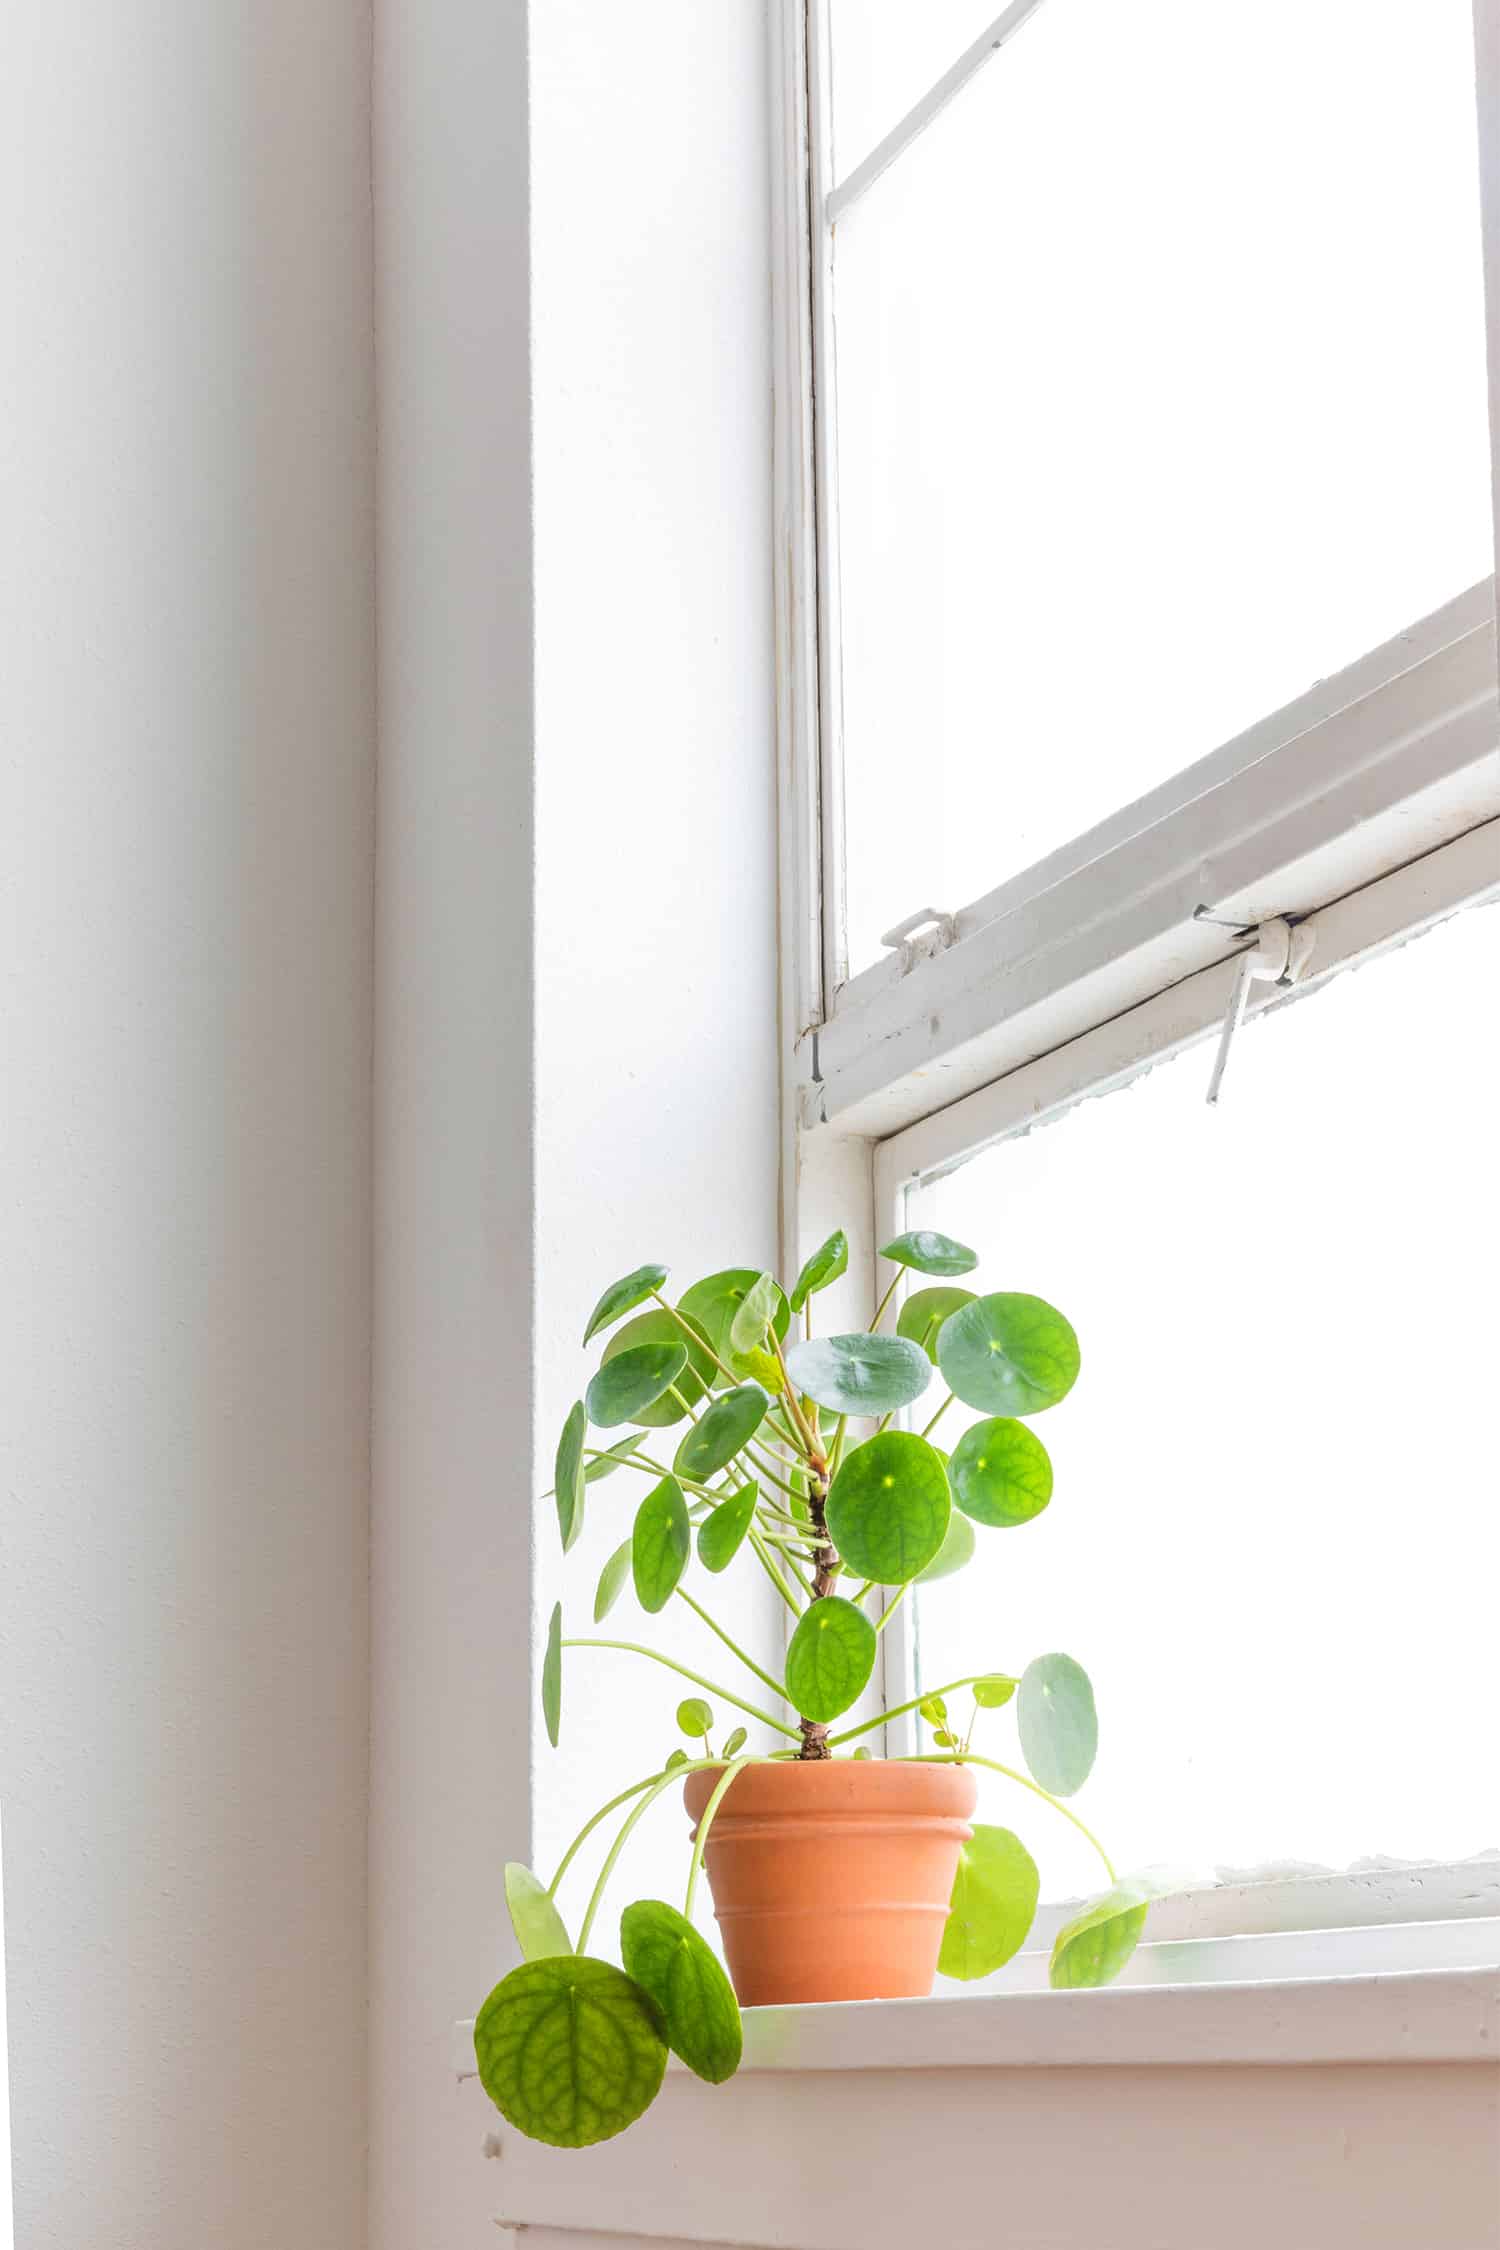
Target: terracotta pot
{"points": [[831, 1879]]}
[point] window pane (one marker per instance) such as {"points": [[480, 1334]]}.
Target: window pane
{"points": [[1274, 1541], [1161, 394]]}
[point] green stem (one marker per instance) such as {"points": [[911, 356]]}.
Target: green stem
{"points": [[917, 1700], [604, 1812], [885, 1300], [732, 1646], [700, 1840], [634, 1648], [942, 1410], [763, 1468], [762, 1552], [892, 1606], [653, 1791], [807, 1443], [967, 1758], [836, 1450], [700, 1343]]}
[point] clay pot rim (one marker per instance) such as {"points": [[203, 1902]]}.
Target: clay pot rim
{"points": [[815, 1785]]}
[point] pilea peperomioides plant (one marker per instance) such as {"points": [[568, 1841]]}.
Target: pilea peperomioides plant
{"points": [[786, 1464]]}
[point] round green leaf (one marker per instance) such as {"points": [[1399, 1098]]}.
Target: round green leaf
{"points": [[860, 1374], [956, 1550], [671, 1962], [568, 1479], [736, 1743], [754, 1314], [660, 1545], [925, 1311], [570, 2050], [605, 1464], [623, 1297], [661, 1328], [540, 1930], [1094, 1947], [552, 1675], [829, 1658], [926, 1252], [993, 1904], [861, 1752], [998, 1689], [712, 1303], [722, 1531], [826, 1264], [1000, 1473], [888, 1507], [717, 1436], [612, 1580], [1057, 1723], [1008, 1354], [632, 1381], [694, 1717]]}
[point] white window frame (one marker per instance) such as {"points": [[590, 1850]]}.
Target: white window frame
{"points": [[1369, 806]]}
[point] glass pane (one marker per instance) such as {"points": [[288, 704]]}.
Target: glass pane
{"points": [[1161, 394], [885, 55], [1274, 1541]]}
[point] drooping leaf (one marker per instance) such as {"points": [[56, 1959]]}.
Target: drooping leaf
{"points": [[671, 1962], [612, 1580], [540, 1930], [660, 1545], [570, 2050], [754, 1313], [1000, 1473], [762, 1368], [568, 1480], [605, 1464], [860, 1374], [1057, 1723], [925, 1311], [926, 1252], [712, 1303], [623, 1296], [993, 1904], [1094, 1947], [1008, 1354], [998, 1689], [719, 1433], [626, 1385], [888, 1507], [663, 1328], [694, 1717], [829, 1658], [956, 1550], [722, 1531], [827, 1263], [934, 1710], [736, 1743], [552, 1675]]}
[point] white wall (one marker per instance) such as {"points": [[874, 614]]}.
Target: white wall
{"points": [[186, 764]]}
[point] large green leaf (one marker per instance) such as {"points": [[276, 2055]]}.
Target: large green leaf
{"points": [[660, 1544], [1094, 1947], [722, 1532], [1057, 1723], [632, 1381], [992, 1907], [623, 1296], [826, 1264], [719, 1433], [568, 1478], [888, 1507], [670, 1961], [926, 1252], [860, 1374], [1000, 1473], [663, 1328], [540, 1930], [957, 1549], [711, 1305], [1008, 1354], [605, 1464], [829, 1658], [925, 1311], [552, 1675], [570, 2050], [612, 1580], [754, 1314]]}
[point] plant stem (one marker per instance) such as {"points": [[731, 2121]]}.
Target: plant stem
{"points": [[808, 1442], [896, 1710], [710, 1810], [836, 1449], [763, 1468], [634, 1648], [701, 1342], [653, 1791], [885, 1300], [732, 1646], [604, 1812], [892, 1606], [967, 1758], [942, 1410], [768, 1566]]}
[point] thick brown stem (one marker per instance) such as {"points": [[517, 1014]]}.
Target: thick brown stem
{"points": [[825, 1572]]}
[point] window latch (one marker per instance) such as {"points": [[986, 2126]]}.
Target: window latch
{"points": [[921, 935], [1280, 955]]}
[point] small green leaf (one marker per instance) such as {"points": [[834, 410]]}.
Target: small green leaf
{"points": [[552, 1675], [945, 1740], [990, 1694], [722, 1531], [1008, 1354], [860, 1374], [712, 1303], [825, 1265], [540, 1930], [993, 1904], [660, 1545], [956, 1550], [675, 1758], [694, 1717], [1094, 1947], [623, 1297], [718, 1435], [605, 1464], [762, 1368], [625, 1386], [888, 1507], [662, 1327], [1057, 1724], [829, 1659], [570, 2050], [926, 1252], [612, 1580], [736, 1743], [567, 1481], [861, 1752], [934, 1710], [1000, 1473], [671, 1962], [754, 1314], [924, 1312]]}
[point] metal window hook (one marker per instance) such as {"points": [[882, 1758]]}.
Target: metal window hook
{"points": [[1280, 955]]}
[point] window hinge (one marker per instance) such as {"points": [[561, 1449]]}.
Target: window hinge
{"points": [[1280, 955], [920, 936]]}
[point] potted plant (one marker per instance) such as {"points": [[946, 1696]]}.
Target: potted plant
{"points": [[835, 1875]]}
